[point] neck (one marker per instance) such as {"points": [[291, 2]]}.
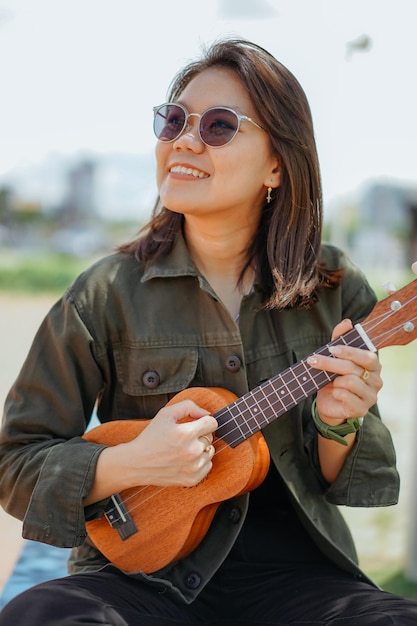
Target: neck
{"points": [[218, 249], [220, 255]]}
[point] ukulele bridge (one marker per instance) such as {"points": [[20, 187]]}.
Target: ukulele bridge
{"points": [[119, 517]]}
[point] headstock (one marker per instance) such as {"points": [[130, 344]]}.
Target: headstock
{"points": [[393, 320]]}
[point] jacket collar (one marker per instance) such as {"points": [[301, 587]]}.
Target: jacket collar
{"points": [[177, 263]]}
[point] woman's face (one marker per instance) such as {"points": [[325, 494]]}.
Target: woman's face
{"points": [[229, 181]]}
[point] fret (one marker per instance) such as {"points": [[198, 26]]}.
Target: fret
{"points": [[307, 377], [289, 383], [267, 402], [260, 398], [271, 402], [240, 421], [254, 410]]}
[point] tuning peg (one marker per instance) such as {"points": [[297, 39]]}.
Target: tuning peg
{"points": [[414, 267], [390, 288]]}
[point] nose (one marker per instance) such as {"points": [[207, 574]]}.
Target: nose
{"points": [[190, 136]]}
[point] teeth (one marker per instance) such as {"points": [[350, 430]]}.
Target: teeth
{"points": [[180, 169]]}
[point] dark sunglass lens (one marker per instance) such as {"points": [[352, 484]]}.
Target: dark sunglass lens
{"points": [[218, 126], [169, 122]]}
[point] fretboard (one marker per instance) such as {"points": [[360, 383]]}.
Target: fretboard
{"points": [[267, 402]]}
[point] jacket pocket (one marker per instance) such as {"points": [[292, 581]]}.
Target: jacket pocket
{"points": [[149, 377]]}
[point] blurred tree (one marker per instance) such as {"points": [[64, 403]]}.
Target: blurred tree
{"points": [[6, 205]]}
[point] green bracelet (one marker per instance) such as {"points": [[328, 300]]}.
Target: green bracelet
{"points": [[336, 433]]}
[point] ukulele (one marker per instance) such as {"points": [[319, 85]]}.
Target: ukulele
{"points": [[148, 527]]}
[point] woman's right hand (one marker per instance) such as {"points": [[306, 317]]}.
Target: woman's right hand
{"points": [[168, 452], [171, 452]]}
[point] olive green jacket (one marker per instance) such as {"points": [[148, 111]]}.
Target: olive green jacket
{"points": [[125, 339]]}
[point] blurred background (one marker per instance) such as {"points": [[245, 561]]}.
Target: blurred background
{"points": [[78, 81]]}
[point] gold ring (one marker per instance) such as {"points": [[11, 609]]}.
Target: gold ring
{"points": [[208, 446], [364, 375]]}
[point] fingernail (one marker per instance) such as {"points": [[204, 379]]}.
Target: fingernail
{"points": [[335, 350], [312, 360]]}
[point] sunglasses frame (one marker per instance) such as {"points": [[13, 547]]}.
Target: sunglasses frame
{"points": [[240, 118]]}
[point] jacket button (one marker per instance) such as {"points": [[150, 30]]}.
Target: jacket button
{"points": [[233, 363], [151, 380], [193, 580], [235, 514]]}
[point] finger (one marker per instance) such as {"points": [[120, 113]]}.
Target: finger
{"points": [[200, 431], [365, 359], [183, 409], [205, 426], [207, 441], [345, 385], [197, 418], [342, 327], [365, 375], [348, 360]]}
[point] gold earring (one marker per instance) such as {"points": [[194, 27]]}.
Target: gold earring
{"points": [[268, 197]]}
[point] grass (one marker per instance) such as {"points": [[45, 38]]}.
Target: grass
{"points": [[395, 581], [46, 272], [39, 273]]}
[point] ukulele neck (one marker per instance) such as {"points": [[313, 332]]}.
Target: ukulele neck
{"points": [[267, 402]]}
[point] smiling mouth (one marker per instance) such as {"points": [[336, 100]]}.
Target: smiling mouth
{"points": [[180, 169]]}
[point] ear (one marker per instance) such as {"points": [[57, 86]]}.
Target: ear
{"points": [[273, 178]]}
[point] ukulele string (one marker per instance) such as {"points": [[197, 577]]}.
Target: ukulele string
{"points": [[391, 332], [368, 326], [317, 374], [113, 510], [274, 397], [215, 443], [133, 495], [154, 493]]}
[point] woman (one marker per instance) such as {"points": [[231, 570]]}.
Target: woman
{"points": [[226, 287]]}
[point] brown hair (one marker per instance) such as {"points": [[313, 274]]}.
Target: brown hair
{"points": [[286, 246]]}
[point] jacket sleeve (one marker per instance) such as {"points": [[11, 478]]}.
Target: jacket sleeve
{"points": [[369, 476], [46, 468]]}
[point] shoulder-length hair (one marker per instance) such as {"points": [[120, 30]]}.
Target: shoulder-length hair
{"points": [[285, 249]]}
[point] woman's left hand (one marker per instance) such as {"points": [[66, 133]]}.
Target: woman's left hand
{"points": [[355, 389]]}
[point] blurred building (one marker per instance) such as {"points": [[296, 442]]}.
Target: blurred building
{"points": [[78, 207], [392, 209], [379, 229], [111, 186]]}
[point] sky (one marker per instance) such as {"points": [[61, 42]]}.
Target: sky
{"points": [[82, 76]]}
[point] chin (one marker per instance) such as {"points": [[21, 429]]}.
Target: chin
{"points": [[177, 205]]}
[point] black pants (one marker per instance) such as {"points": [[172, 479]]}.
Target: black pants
{"points": [[274, 575], [235, 597]]}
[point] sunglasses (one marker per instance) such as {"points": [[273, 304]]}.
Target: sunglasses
{"points": [[216, 126]]}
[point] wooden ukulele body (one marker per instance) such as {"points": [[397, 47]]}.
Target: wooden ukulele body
{"points": [[172, 521]]}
